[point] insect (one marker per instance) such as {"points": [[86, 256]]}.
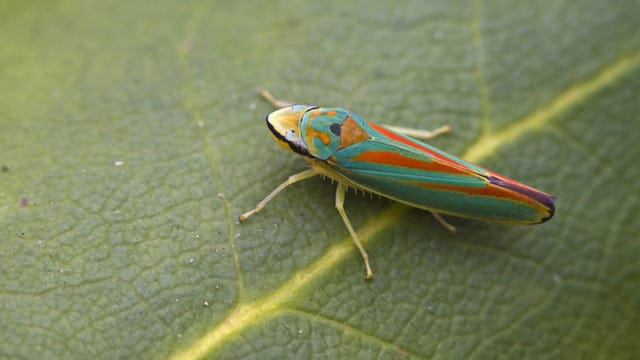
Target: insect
{"points": [[390, 162]]}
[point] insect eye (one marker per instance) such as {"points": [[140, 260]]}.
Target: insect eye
{"points": [[291, 135]]}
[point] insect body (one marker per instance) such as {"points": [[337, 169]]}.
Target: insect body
{"points": [[361, 154]]}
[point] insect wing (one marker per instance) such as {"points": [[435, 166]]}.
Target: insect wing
{"points": [[409, 171]]}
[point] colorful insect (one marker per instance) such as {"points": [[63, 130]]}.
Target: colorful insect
{"points": [[385, 160]]}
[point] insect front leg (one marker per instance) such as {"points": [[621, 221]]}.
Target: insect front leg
{"points": [[340, 191], [420, 134], [291, 180], [275, 102]]}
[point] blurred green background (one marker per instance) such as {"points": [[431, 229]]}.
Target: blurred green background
{"points": [[132, 136]]}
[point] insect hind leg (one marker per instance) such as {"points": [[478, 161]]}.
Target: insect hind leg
{"points": [[420, 134], [443, 222]]}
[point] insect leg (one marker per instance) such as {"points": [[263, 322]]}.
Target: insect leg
{"points": [[275, 102], [443, 222], [340, 191], [291, 180], [420, 134]]}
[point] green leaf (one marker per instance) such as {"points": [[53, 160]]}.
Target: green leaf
{"points": [[132, 136]]}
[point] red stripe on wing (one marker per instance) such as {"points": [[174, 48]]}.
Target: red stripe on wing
{"points": [[493, 191], [416, 145], [397, 159]]}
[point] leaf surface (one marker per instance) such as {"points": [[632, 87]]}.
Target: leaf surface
{"points": [[131, 138]]}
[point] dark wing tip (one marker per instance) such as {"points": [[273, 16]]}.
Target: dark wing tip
{"points": [[552, 209], [537, 195]]}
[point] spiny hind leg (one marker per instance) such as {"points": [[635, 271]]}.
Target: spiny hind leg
{"points": [[443, 222], [420, 134], [340, 191]]}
